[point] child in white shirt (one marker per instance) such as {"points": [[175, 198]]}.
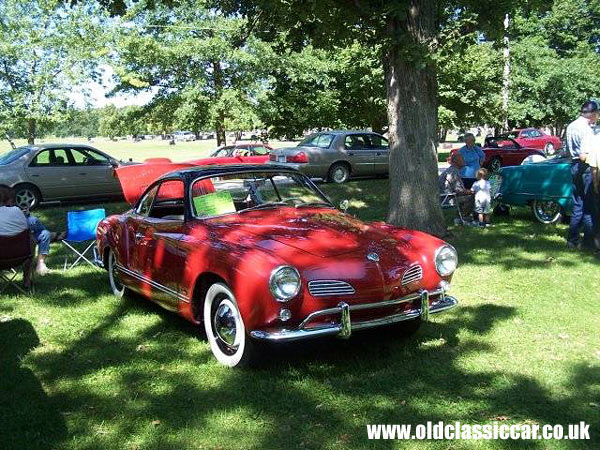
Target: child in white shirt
{"points": [[483, 198]]}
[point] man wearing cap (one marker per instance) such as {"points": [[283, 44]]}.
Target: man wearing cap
{"points": [[584, 195]]}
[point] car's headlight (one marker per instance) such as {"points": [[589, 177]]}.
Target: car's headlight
{"points": [[284, 283], [446, 260]]}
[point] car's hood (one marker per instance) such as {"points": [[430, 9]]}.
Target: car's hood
{"points": [[319, 231]]}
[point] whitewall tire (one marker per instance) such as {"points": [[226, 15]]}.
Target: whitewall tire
{"points": [[225, 329], [114, 278]]}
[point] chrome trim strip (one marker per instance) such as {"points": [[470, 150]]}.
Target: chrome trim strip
{"points": [[345, 327], [153, 283]]}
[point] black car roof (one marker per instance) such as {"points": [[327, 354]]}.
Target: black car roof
{"points": [[224, 169]]}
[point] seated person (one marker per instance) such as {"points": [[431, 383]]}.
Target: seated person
{"points": [[13, 222], [41, 235], [450, 182]]}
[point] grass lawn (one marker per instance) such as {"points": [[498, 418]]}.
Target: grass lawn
{"points": [[81, 370]]}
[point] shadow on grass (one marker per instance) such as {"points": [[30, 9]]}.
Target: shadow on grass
{"points": [[317, 394], [28, 417]]}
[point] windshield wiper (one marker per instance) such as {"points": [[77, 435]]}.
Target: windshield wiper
{"points": [[315, 204], [264, 205]]}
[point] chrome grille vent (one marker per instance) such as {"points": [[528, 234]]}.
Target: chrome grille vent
{"points": [[322, 288], [412, 274]]}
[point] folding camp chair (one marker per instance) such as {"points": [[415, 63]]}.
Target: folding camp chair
{"points": [[81, 229], [448, 201], [17, 251]]}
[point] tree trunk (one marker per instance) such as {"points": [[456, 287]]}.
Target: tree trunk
{"points": [[412, 114], [31, 129], [220, 119], [220, 129]]}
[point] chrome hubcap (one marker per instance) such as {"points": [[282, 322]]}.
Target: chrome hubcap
{"points": [[225, 326], [25, 198], [496, 164], [339, 174], [547, 210]]}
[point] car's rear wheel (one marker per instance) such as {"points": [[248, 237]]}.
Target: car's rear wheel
{"points": [[27, 195], [339, 173], [225, 329], [495, 164], [114, 277], [549, 149], [546, 211]]}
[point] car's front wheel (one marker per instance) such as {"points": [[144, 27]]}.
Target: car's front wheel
{"points": [[114, 278], [546, 211], [549, 149], [225, 329]]}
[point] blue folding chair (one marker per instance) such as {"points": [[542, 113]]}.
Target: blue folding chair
{"points": [[81, 228]]}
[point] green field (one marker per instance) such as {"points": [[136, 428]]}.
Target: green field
{"points": [[81, 370]]}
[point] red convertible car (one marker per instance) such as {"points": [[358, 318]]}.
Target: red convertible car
{"points": [[259, 254], [535, 138], [502, 151]]}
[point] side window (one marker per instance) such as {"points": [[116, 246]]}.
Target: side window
{"points": [[168, 203], [170, 190], [146, 202], [535, 133], [87, 157], [378, 142], [260, 150], [356, 142], [54, 157]]}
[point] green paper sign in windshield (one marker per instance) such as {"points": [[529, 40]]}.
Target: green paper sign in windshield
{"points": [[214, 204]]}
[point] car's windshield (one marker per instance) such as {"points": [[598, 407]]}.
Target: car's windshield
{"points": [[241, 192], [317, 140], [12, 155], [225, 151]]}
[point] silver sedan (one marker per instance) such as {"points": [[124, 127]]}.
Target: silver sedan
{"points": [[337, 155], [51, 172]]}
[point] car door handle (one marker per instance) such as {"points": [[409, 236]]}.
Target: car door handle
{"points": [[82, 173], [35, 176], [350, 153]]}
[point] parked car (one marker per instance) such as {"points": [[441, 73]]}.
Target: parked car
{"points": [[51, 172], [186, 136], [135, 180], [257, 253], [336, 156], [256, 152], [534, 138], [545, 186], [500, 152]]}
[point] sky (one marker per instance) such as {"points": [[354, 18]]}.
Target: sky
{"points": [[97, 94]]}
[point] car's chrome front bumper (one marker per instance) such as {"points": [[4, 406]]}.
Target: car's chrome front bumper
{"points": [[345, 326]]}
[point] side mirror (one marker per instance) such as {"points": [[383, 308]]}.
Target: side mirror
{"points": [[344, 204]]}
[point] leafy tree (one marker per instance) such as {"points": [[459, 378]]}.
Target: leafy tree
{"points": [[555, 59], [407, 33], [46, 47], [209, 63]]}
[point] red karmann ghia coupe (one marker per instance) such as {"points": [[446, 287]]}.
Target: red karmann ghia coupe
{"points": [[258, 253]]}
